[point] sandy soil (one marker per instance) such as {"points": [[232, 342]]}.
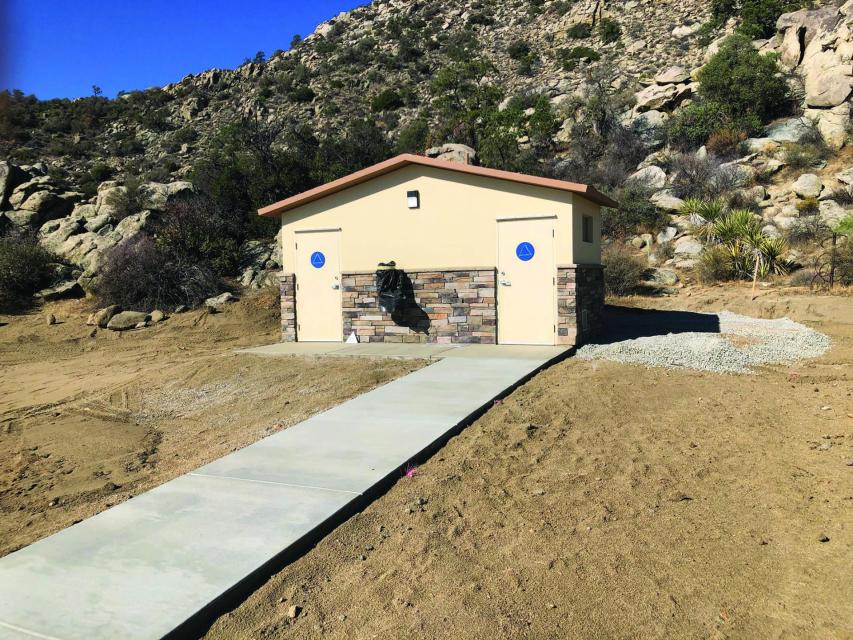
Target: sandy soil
{"points": [[87, 421], [603, 500]]}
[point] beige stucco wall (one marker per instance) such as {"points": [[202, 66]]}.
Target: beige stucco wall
{"points": [[586, 252], [454, 228]]}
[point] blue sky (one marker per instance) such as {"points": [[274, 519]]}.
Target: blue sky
{"points": [[60, 48]]}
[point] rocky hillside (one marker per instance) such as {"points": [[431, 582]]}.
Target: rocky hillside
{"points": [[336, 73], [90, 174]]}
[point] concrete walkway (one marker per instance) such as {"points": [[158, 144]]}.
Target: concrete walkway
{"points": [[163, 563]]}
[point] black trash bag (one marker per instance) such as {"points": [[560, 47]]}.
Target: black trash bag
{"points": [[390, 288]]}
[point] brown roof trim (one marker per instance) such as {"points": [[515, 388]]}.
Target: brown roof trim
{"points": [[409, 159]]}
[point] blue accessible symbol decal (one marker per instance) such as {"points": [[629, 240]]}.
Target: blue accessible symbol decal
{"points": [[525, 251], [318, 260]]}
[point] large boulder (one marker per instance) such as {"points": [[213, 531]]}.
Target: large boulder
{"points": [[799, 28], [25, 189], [828, 79], [673, 75], [10, 177], [156, 196], [667, 201], [652, 176], [808, 185], [688, 246], [656, 97], [845, 176], [222, 298], [110, 198], [454, 153], [127, 320], [831, 212], [832, 123], [54, 234], [790, 130], [661, 277], [651, 127], [102, 317], [48, 204], [61, 291]]}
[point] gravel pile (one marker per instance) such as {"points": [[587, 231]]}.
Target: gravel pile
{"points": [[742, 344]]}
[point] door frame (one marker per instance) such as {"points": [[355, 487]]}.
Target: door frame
{"points": [[554, 306], [296, 239]]}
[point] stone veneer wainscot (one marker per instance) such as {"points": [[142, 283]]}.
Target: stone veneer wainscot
{"points": [[453, 307], [580, 302], [459, 305]]}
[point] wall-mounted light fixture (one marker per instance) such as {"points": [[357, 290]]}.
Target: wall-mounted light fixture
{"points": [[414, 199]]}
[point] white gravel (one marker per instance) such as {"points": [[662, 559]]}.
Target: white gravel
{"points": [[743, 343]]}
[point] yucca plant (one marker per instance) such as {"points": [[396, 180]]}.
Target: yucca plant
{"points": [[740, 258], [702, 215], [737, 224], [765, 252]]}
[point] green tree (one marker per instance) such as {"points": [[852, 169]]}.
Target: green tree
{"points": [[745, 84]]}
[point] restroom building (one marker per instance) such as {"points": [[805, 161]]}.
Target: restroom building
{"points": [[489, 256]]}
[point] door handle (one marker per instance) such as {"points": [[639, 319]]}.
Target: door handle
{"points": [[336, 286], [506, 283]]}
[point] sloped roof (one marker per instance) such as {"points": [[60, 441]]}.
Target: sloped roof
{"points": [[407, 159]]}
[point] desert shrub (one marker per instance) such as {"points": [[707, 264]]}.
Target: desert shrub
{"points": [[24, 267], [97, 173], [250, 165], [715, 265], [623, 271], [844, 261], [579, 30], [701, 177], [609, 30], [809, 153], [483, 18], [518, 49], [747, 85], [387, 100], [636, 214], [843, 196], [302, 93], [808, 206], [725, 143], [602, 150], [803, 277], [561, 7], [691, 126], [521, 52], [845, 226], [740, 199], [571, 58], [413, 137], [757, 17], [137, 274], [807, 231], [196, 230]]}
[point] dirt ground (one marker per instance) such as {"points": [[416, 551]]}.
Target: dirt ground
{"points": [[599, 500], [603, 500], [87, 421]]}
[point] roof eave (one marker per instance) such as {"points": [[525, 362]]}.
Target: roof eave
{"points": [[397, 162]]}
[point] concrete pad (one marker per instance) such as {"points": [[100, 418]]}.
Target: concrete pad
{"points": [[147, 566], [415, 350]]}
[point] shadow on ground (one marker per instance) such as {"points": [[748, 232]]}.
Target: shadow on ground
{"points": [[627, 323]]}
